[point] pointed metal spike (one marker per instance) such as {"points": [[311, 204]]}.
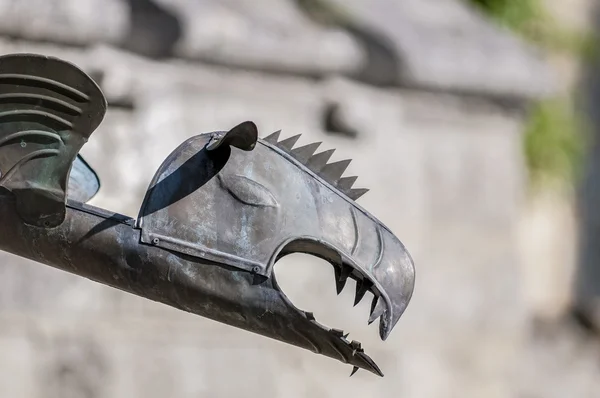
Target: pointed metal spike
{"points": [[368, 364], [354, 370], [377, 309], [310, 316], [333, 171], [346, 335], [339, 285], [337, 332], [356, 193], [373, 305], [303, 153], [273, 138], [318, 161], [345, 183], [345, 272], [341, 277], [288, 143], [362, 286]]}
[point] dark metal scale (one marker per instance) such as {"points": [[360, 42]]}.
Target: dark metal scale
{"points": [[220, 211]]}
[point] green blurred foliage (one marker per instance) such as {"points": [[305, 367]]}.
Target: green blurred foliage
{"points": [[515, 14], [554, 143], [529, 19], [554, 138]]}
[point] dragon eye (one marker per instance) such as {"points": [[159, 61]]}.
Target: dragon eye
{"points": [[248, 191]]}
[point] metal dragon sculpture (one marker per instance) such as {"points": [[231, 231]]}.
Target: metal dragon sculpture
{"points": [[220, 211]]}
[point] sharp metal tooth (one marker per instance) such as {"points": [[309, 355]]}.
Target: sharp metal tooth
{"points": [[362, 286], [318, 161], [337, 332], [273, 138], [346, 335], [377, 309], [354, 370], [345, 183], [310, 316], [339, 281], [356, 193], [288, 143], [373, 305], [345, 272], [303, 153], [342, 273], [333, 171], [339, 285]]}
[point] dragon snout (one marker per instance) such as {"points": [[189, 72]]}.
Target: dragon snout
{"points": [[390, 281]]}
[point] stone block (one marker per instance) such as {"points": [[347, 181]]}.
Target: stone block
{"points": [[446, 46], [64, 21]]}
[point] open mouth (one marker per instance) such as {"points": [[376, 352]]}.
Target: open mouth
{"points": [[332, 340], [380, 304]]}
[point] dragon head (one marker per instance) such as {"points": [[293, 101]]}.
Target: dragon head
{"points": [[220, 212], [233, 199]]}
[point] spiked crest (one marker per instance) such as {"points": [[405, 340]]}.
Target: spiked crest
{"points": [[318, 163]]}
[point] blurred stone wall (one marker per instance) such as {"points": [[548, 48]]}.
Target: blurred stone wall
{"points": [[430, 110]]}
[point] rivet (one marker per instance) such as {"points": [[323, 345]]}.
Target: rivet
{"points": [[155, 241], [255, 269]]}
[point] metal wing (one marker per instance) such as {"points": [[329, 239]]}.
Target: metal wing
{"points": [[48, 110]]}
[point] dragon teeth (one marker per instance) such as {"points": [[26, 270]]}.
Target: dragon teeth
{"points": [[341, 277], [377, 309], [339, 285], [345, 272], [337, 332], [362, 286]]}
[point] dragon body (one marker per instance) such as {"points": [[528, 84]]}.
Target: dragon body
{"points": [[220, 211]]}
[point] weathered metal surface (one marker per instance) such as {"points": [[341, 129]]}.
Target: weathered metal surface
{"points": [[48, 110], [84, 183], [222, 208], [247, 208]]}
